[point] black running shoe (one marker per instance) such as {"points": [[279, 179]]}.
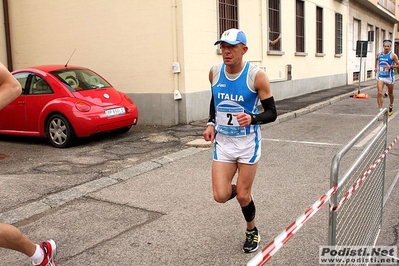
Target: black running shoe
{"points": [[252, 241], [390, 110]]}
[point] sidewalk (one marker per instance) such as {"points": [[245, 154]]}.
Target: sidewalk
{"points": [[321, 98], [162, 211]]}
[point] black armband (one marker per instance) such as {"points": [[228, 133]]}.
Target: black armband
{"points": [[268, 115], [212, 112]]}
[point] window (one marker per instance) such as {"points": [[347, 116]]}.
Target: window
{"points": [[80, 79], [356, 32], [338, 33], [22, 78], [355, 76], [370, 37], [228, 15], [388, 5], [274, 25], [39, 86], [377, 39], [300, 26], [319, 30]]}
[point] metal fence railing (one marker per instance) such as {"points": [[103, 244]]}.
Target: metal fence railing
{"points": [[357, 222], [361, 178]]}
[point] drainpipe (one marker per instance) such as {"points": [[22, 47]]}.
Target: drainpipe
{"points": [[8, 35], [175, 64]]}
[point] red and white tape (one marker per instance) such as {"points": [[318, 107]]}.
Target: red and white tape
{"points": [[262, 257], [357, 184], [267, 253]]}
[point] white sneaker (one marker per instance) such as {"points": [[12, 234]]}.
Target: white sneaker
{"points": [[49, 250]]}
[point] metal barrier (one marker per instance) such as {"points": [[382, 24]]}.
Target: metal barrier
{"points": [[357, 222]]}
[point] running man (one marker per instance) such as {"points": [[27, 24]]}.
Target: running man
{"points": [[11, 237], [234, 127], [384, 66]]}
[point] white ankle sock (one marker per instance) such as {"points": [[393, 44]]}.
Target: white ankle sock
{"points": [[38, 256]]}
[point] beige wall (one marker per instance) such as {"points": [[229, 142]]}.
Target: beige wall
{"points": [[198, 33], [133, 45], [312, 65], [129, 42]]}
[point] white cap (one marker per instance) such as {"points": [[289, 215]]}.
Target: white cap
{"points": [[233, 37]]}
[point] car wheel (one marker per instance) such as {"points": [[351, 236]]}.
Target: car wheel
{"points": [[121, 130], [59, 131]]}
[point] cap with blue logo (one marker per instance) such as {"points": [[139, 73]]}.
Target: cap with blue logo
{"points": [[233, 37]]}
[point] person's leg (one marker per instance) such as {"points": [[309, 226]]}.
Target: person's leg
{"points": [[246, 176], [391, 98], [12, 238], [390, 93], [222, 175], [380, 86]]}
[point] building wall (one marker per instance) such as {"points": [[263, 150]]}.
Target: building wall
{"points": [[311, 65], [124, 40], [310, 72], [129, 42], [134, 43]]}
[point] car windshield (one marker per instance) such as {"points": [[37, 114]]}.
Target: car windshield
{"points": [[79, 79]]}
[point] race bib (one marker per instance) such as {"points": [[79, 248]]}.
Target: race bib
{"points": [[383, 70], [227, 122]]}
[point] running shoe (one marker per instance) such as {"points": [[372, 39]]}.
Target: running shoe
{"points": [[390, 110], [49, 250], [252, 241], [386, 94]]}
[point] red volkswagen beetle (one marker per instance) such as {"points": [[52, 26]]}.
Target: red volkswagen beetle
{"points": [[62, 103]]}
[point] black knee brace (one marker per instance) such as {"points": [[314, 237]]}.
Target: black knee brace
{"points": [[249, 211]]}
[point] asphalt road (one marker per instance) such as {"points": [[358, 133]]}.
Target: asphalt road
{"points": [[145, 197]]}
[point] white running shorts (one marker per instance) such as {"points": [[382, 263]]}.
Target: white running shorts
{"points": [[388, 81], [243, 149]]}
